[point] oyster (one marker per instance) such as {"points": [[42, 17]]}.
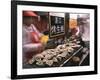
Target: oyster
{"points": [[55, 59], [39, 63], [49, 62], [48, 56], [38, 57]]}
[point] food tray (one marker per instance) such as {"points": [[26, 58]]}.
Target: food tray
{"points": [[60, 63]]}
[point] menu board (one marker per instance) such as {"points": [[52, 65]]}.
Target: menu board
{"points": [[57, 27]]}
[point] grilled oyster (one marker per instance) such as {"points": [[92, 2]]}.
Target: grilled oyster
{"points": [[39, 63], [38, 57], [48, 56], [55, 59], [69, 49], [76, 59], [49, 62]]}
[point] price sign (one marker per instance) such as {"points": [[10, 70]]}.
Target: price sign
{"points": [[57, 27]]}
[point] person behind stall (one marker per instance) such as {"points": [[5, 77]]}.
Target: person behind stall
{"points": [[73, 29], [31, 36], [84, 33], [84, 29], [72, 26]]}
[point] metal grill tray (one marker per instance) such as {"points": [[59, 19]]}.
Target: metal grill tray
{"points": [[59, 64]]}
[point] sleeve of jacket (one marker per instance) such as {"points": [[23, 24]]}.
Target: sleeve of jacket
{"points": [[27, 42]]}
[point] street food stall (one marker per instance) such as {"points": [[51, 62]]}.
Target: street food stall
{"points": [[62, 45]]}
